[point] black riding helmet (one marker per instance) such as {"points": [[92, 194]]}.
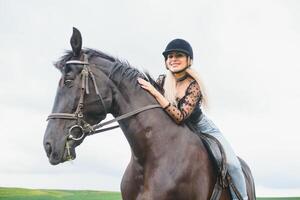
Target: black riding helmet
{"points": [[179, 45]]}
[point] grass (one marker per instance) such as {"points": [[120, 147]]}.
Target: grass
{"points": [[279, 198], [41, 194]]}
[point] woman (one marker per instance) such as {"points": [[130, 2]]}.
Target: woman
{"points": [[181, 99]]}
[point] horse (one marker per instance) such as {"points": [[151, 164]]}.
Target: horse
{"points": [[168, 161]]}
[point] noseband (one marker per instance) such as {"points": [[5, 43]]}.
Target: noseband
{"points": [[88, 129]]}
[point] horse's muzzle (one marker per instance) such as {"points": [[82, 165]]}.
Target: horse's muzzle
{"points": [[48, 149]]}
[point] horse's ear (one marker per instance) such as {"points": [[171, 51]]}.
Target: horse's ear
{"points": [[76, 42]]}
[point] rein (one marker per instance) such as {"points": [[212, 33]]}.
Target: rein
{"points": [[88, 129]]}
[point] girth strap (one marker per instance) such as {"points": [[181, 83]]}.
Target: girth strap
{"points": [[223, 178], [221, 167], [217, 191]]}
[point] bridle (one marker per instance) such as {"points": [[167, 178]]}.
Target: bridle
{"points": [[86, 128]]}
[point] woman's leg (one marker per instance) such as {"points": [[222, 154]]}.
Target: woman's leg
{"points": [[234, 167]]}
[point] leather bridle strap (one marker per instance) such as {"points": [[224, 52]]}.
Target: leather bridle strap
{"points": [[61, 116], [83, 89], [97, 126]]}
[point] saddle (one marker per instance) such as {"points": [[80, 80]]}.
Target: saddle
{"points": [[218, 157]]}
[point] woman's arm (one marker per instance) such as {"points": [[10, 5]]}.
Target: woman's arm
{"points": [[151, 89], [189, 101]]}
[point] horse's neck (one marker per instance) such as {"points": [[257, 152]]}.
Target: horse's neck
{"points": [[139, 129], [129, 96], [146, 128]]}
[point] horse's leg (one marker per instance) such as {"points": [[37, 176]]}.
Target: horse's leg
{"points": [[131, 181]]}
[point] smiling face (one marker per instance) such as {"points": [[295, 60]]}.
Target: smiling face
{"points": [[176, 61]]}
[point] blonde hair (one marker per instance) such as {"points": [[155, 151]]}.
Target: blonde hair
{"points": [[170, 86]]}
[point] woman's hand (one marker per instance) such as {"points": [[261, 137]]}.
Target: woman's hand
{"points": [[151, 89], [147, 86]]}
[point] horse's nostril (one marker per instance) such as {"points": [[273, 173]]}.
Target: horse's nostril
{"points": [[48, 149], [55, 155]]}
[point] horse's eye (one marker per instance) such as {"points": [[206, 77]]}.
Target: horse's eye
{"points": [[68, 82]]}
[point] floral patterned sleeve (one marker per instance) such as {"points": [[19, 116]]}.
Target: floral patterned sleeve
{"points": [[186, 105]]}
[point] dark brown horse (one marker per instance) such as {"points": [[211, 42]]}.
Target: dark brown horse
{"points": [[168, 162]]}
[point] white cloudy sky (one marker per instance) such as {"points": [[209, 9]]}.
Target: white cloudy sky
{"points": [[246, 51]]}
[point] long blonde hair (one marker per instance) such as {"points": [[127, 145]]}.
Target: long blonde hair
{"points": [[170, 86]]}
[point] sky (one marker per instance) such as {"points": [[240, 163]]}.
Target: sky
{"points": [[247, 53]]}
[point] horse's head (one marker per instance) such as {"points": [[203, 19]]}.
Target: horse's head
{"points": [[78, 104]]}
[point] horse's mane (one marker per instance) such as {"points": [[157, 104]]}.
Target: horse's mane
{"points": [[121, 67]]}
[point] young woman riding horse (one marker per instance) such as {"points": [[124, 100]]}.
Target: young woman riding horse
{"points": [[169, 163], [181, 99]]}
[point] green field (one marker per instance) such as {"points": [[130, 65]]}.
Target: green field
{"points": [[38, 194], [280, 198]]}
